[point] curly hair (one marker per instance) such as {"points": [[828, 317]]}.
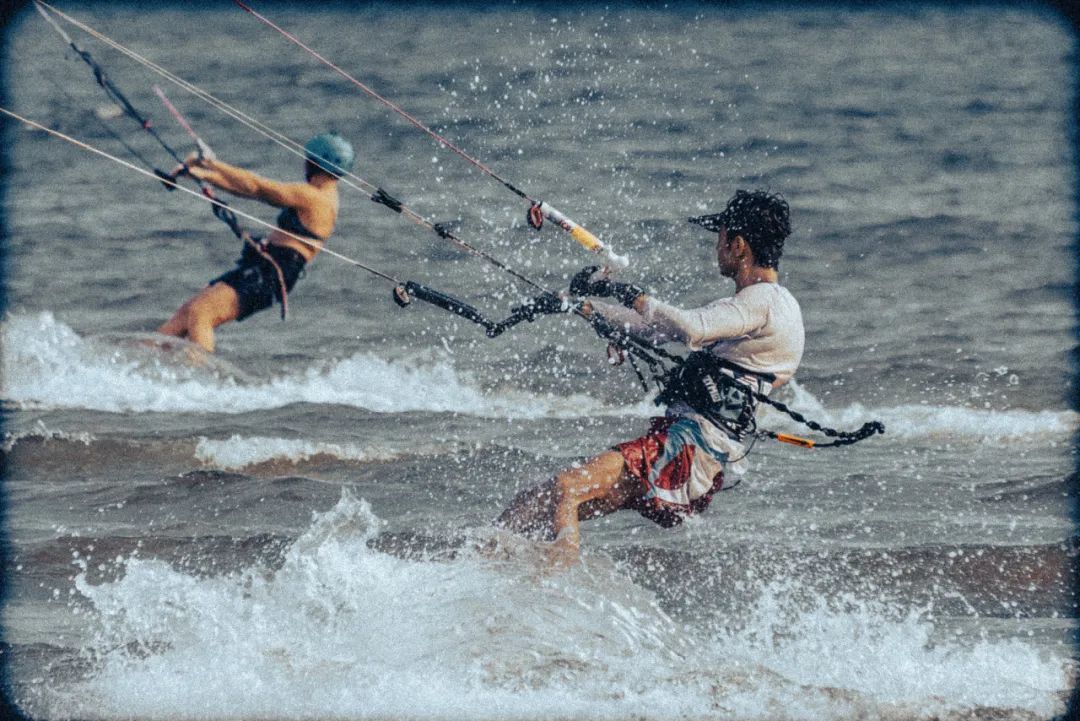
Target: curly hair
{"points": [[762, 219]]}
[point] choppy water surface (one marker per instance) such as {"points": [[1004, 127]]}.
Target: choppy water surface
{"points": [[298, 527]]}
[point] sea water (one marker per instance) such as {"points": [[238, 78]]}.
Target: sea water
{"points": [[298, 526]]}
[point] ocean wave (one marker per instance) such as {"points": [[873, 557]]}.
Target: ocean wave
{"points": [[239, 452], [46, 364], [40, 432], [917, 421], [340, 629]]}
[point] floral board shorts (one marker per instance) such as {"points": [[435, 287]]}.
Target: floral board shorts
{"points": [[678, 467]]}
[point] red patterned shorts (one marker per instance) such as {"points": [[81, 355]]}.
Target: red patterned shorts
{"points": [[673, 461]]}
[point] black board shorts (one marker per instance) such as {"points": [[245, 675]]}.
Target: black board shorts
{"points": [[255, 279]]}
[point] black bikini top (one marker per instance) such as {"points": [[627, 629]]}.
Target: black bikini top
{"points": [[289, 221]]}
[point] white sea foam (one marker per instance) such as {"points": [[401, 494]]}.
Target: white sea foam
{"points": [[45, 363], [239, 452], [341, 630], [867, 646], [40, 430], [945, 422]]}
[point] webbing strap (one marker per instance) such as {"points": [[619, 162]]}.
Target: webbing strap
{"points": [[260, 247]]}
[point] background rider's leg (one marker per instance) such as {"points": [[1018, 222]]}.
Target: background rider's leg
{"points": [[177, 325], [197, 318]]}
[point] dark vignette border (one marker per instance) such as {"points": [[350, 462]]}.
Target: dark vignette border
{"points": [[1068, 11]]}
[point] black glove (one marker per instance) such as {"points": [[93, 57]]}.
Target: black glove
{"points": [[545, 304], [583, 284]]}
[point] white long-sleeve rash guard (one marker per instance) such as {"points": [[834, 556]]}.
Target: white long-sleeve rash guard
{"points": [[759, 328]]}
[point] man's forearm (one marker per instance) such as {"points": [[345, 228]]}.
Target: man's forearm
{"points": [[564, 522], [624, 317]]}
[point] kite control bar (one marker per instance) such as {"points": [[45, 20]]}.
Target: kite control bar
{"points": [[543, 304]]}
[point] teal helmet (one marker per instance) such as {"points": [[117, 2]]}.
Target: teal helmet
{"points": [[330, 152]]}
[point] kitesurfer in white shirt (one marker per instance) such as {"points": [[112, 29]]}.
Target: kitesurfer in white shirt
{"points": [[754, 338]]}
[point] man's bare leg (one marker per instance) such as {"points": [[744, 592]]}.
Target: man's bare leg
{"points": [[552, 510]]}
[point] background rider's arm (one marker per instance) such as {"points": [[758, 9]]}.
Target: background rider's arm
{"points": [[249, 185]]}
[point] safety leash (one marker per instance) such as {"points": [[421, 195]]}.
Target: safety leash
{"points": [[843, 438]]}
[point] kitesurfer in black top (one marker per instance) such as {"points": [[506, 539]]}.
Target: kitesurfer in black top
{"points": [[267, 268]]}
